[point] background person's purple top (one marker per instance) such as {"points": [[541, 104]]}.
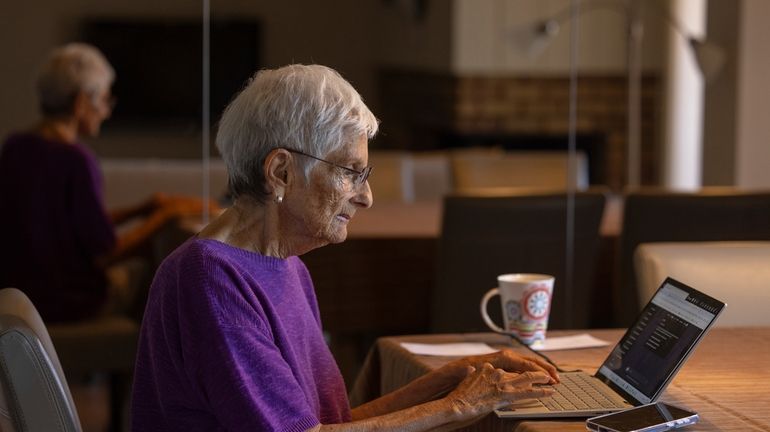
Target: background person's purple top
{"points": [[54, 226], [231, 341]]}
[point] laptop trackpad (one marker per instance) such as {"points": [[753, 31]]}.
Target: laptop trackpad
{"points": [[524, 404]]}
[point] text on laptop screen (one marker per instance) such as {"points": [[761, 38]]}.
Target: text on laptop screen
{"points": [[650, 351]]}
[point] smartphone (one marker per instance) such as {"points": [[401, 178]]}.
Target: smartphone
{"points": [[654, 417]]}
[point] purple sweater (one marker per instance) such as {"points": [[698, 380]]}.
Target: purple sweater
{"points": [[54, 226], [231, 341]]}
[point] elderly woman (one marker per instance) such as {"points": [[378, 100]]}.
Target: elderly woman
{"points": [[58, 237], [231, 338]]}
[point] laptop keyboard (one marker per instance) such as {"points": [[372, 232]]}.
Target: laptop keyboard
{"points": [[578, 391]]}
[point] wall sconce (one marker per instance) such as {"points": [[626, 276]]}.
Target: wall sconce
{"points": [[534, 38], [709, 56]]}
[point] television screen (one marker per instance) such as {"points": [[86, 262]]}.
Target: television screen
{"points": [[158, 66]]}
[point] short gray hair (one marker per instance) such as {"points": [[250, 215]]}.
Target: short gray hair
{"points": [[309, 108], [69, 70]]}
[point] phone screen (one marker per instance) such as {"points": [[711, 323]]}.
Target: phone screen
{"points": [[643, 417]]}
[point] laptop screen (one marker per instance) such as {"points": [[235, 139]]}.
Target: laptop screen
{"points": [[655, 347]]}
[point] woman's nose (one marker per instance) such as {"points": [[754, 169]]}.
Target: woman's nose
{"points": [[363, 197]]}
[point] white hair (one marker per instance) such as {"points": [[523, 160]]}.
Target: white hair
{"points": [[309, 108], [69, 70]]}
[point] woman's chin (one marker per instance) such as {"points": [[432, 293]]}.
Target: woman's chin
{"points": [[338, 230], [339, 236], [337, 233]]}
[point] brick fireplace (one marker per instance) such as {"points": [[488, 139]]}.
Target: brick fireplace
{"points": [[428, 111]]}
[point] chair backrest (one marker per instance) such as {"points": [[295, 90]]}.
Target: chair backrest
{"points": [[34, 395], [519, 169], [717, 214], [485, 236], [734, 272]]}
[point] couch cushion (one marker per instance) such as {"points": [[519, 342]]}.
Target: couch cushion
{"points": [[737, 273]]}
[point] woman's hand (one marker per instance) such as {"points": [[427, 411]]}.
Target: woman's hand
{"points": [[506, 360], [481, 391], [440, 382], [488, 388]]}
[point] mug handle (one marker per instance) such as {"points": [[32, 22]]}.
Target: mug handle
{"points": [[484, 300]]}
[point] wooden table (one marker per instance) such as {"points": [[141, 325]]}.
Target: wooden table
{"points": [[726, 380]]}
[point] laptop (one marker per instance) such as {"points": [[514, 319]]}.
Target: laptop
{"points": [[640, 366]]}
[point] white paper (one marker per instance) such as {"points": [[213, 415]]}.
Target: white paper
{"points": [[583, 340], [448, 349]]}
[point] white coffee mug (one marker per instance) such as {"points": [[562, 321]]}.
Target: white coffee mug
{"points": [[526, 303]]}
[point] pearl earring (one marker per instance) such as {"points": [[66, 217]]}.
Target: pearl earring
{"points": [[279, 199]]}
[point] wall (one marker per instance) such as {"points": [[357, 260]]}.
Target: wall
{"points": [[753, 97], [465, 37], [736, 135], [719, 120], [403, 40], [495, 37], [355, 37]]}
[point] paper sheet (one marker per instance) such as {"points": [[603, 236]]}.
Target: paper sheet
{"points": [[583, 340], [448, 349]]}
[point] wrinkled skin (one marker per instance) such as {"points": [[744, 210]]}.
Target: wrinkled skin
{"points": [[489, 388], [320, 210]]}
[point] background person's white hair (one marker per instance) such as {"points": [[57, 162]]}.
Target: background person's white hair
{"points": [[310, 108], [68, 70]]}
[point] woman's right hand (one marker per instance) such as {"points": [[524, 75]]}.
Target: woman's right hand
{"points": [[483, 390], [487, 388]]}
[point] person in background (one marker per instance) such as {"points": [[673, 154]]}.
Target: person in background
{"points": [[59, 240], [232, 338]]}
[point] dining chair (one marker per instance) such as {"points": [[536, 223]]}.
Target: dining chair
{"points": [[34, 395], [654, 215], [104, 345], [524, 231]]}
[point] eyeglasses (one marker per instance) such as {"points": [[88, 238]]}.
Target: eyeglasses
{"points": [[360, 176]]}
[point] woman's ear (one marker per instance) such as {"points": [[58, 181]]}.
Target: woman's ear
{"points": [[278, 171]]}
